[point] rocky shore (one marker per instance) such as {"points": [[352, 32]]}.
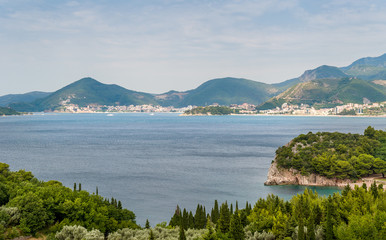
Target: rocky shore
{"points": [[282, 176]]}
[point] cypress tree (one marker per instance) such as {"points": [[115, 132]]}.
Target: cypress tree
{"points": [[151, 235], [96, 191], [119, 205], [74, 187], [80, 187], [185, 219], [224, 219], [147, 225], [176, 219], [215, 214], [236, 229], [191, 220], [237, 206], [231, 210], [374, 190], [182, 233]]}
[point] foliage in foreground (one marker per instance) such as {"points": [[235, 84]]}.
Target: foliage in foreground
{"points": [[31, 205], [354, 214]]}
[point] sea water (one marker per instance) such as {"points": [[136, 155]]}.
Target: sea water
{"points": [[151, 163]]}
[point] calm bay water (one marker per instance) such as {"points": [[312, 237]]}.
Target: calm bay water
{"points": [[152, 163]]}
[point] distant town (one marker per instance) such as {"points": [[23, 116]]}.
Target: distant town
{"points": [[285, 109]]}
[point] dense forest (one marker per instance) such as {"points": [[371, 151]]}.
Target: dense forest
{"points": [[33, 207], [29, 206], [358, 213], [211, 110], [336, 154]]}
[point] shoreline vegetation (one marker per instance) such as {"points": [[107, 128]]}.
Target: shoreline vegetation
{"points": [[33, 209], [331, 159]]}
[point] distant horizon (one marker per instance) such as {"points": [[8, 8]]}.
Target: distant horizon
{"points": [[154, 46], [101, 81]]}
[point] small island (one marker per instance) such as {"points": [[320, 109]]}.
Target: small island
{"points": [[330, 159], [5, 111], [211, 110]]}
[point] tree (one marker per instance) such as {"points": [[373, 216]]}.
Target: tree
{"points": [[224, 219], [210, 234], [236, 228], [311, 226], [147, 225], [182, 234], [329, 233], [34, 216], [151, 235], [215, 214]]}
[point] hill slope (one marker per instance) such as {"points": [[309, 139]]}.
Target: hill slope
{"points": [[88, 91], [322, 72], [344, 90], [224, 91], [369, 68], [26, 97]]}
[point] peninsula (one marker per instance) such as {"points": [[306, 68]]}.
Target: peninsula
{"points": [[330, 159]]}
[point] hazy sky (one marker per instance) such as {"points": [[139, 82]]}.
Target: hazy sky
{"points": [[156, 46]]}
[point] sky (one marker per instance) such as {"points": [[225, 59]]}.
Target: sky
{"points": [[161, 45]]}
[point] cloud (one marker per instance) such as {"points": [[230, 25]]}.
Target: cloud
{"points": [[191, 41]]}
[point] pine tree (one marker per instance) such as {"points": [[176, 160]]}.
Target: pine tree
{"points": [[300, 214], [182, 233], [224, 219], [346, 190], [210, 234], [329, 233], [147, 225], [190, 220], [243, 218], [311, 226], [236, 229]]}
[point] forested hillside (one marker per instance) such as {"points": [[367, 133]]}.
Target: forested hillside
{"points": [[336, 154], [29, 205], [354, 214]]}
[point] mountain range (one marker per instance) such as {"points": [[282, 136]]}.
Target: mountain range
{"points": [[363, 79]]}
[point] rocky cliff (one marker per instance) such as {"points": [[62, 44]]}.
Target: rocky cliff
{"points": [[282, 176]]}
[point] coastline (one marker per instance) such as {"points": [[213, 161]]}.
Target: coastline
{"points": [[281, 176]]}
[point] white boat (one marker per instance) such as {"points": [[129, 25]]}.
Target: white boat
{"points": [[110, 115]]}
